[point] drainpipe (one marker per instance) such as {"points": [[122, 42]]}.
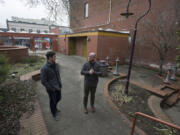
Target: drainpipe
{"points": [[110, 10], [65, 45]]}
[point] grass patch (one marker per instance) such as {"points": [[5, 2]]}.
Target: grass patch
{"points": [[30, 64], [31, 59], [119, 95]]}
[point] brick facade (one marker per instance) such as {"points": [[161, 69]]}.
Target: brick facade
{"points": [[103, 43], [113, 47], [101, 17], [14, 54], [99, 13]]}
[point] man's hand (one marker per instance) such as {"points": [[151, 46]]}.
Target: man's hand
{"points": [[91, 71]]}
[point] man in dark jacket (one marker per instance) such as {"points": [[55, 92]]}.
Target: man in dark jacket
{"points": [[91, 72], [50, 78]]}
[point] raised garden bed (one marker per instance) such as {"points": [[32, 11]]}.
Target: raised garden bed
{"points": [[136, 101], [17, 97]]}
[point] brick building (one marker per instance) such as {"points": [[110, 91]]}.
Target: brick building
{"points": [[60, 29], [98, 41], [92, 15]]}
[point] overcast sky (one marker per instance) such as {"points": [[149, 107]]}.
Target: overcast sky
{"points": [[18, 8]]}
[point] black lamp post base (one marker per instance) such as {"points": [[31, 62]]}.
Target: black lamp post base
{"points": [[126, 91]]}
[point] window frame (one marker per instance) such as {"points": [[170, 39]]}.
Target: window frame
{"points": [[86, 10], [22, 29], [30, 30]]}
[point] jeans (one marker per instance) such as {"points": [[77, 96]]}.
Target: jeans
{"points": [[92, 91], [54, 98]]}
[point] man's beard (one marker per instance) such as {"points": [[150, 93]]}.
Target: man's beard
{"points": [[92, 61]]}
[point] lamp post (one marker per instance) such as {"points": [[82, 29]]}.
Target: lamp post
{"points": [[127, 14]]}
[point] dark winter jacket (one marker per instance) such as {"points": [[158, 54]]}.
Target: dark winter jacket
{"points": [[90, 80], [50, 76]]}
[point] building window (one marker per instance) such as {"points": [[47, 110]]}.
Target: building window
{"points": [[45, 31], [30, 30], [13, 29], [22, 29], [38, 31], [86, 8]]}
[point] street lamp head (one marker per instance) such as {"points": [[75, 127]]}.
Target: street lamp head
{"points": [[127, 14]]}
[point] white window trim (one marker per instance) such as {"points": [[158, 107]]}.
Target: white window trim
{"points": [[86, 10]]}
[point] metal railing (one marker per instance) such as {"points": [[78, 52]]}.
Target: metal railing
{"points": [[154, 119]]}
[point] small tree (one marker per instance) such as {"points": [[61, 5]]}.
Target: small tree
{"points": [[4, 68], [57, 9], [1, 1], [161, 32]]}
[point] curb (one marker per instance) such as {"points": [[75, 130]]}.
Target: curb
{"points": [[154, 105], [34, 124], [114, 107], [30, 75]]}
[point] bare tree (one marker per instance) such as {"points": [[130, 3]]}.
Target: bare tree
{"points": [[2, 1], [161, 32], [57, 9]]}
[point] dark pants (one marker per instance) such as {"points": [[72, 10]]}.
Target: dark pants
{"points": [[54, 98], [92, 91]]}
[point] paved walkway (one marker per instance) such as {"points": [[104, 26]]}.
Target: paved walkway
{"points": [[72, 119]]}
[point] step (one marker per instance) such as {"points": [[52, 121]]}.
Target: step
{"points": [[35, 75], [173, 99]]}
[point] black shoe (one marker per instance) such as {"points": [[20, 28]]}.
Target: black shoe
{"points": [[56, 118]]}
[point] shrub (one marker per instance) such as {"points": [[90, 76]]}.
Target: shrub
{"points": [[31, 59], [16, 98], [4, 68]]}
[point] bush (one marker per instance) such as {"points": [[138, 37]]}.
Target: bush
{"points": [[4, 68], [31, 59], [16, 98]]}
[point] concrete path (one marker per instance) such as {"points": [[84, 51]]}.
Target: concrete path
{"points": [[72, 119]]}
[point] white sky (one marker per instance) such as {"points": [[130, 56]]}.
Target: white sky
{"points": [[18, 8]]}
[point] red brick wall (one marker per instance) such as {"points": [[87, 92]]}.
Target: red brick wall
{"points": [[113, 47], [14, 54], [54, 44], [55, 30], [61, 45], [99, 13], [79, 46], [98, 18], [148, 55], [92, 44]]}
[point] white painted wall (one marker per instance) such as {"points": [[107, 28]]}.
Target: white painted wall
{"points": [[26, 27]]}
